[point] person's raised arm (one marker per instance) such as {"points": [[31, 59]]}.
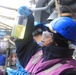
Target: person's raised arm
{"points": [[29, 27]]}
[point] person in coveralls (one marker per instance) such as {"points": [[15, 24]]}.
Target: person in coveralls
{"points": [[54, 58]]}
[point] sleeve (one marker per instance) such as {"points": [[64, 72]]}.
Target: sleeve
{"points": [[28, 34], [25, 48]]}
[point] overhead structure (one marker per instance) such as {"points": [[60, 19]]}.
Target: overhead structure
{"points": [[7, 16], [58, 8]]}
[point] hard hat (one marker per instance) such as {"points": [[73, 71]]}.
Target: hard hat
{"points": [[38, 28], [36, 23], [64, 26]]}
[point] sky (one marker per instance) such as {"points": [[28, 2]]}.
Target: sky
{"points": [[12, 4]]}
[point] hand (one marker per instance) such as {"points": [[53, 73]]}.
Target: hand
{"points": [[23, 10], [16, 72], [20, 70], [11, 71]]}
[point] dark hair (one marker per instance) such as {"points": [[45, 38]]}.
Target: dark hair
{"points": [[60, 40]]}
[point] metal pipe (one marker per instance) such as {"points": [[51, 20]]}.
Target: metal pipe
{"points": [[44, 8], [8, 7]]}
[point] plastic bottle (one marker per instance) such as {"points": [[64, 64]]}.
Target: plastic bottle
{"points": [[19, 28]]}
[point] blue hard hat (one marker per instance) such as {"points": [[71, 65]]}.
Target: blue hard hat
{"points": [[39, 25], [36, 23], [65, 26], [38, 28]]}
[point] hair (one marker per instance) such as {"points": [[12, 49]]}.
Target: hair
{"points": [[60, 40]]}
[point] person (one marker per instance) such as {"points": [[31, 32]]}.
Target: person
{"points": [[54, 58], [55, 52], [24, 55], [37, 33]]}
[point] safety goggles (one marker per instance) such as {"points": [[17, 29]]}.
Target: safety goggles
{"points": [[39, 30], [46, 35]]}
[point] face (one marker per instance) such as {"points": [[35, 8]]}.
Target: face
{"points": [[47, 38], [37, 38]]}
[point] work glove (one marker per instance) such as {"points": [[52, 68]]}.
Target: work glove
{"points": [[20, 70], [23, 10]]}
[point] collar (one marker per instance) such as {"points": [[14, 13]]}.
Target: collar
{"points": [[53, 52]]}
